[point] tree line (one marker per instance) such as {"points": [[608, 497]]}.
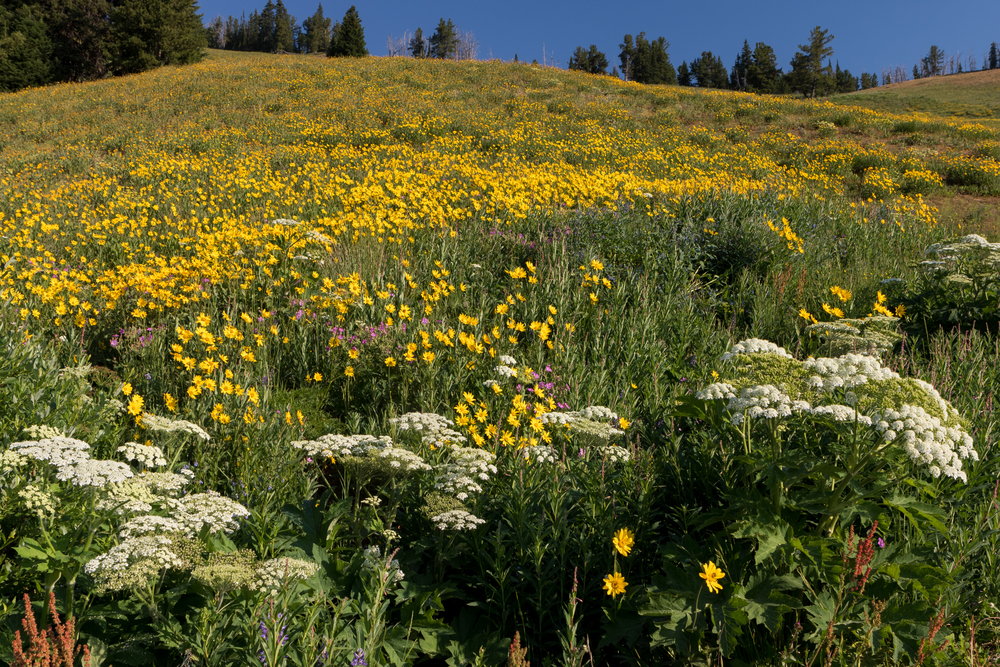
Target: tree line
{"points": [[49, 41], [754, 70], [274, 30]]}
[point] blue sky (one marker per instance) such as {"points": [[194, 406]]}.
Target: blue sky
{"points": [[868, 35]]}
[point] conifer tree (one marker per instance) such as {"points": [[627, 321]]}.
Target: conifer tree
{"points": [[283, 28], [683, 74], [763, 75], [589, 60], [444, 41], [149, 33], [933, 62], [709, 71], [316, 32], [420, 48], [627, 57], [738, 74], [348, 39], [25, 48], [994, 56], [809, 75]]}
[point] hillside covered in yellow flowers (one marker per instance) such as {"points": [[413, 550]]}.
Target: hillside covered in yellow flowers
{"points": [[132, 193]]}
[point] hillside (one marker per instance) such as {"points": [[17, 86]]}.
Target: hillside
{"points": [[969, 96], [384, 361]]}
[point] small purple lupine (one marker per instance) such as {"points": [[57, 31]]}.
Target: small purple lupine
{"points": [[359, 659]]}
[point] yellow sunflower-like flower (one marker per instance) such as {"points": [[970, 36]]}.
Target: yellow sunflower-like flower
{"points": [[623, 541], [711, 575], [615, 584]]}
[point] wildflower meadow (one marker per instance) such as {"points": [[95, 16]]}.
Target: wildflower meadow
{"points": [[385, 362]]}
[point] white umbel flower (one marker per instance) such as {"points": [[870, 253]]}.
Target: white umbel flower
{"points": [[456, 520], [199, 510], [755, 346]]}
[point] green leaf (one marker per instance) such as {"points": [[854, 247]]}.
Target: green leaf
{"points": [[627, 627], [766, 604]]}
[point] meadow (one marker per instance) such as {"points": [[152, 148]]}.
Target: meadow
{"points": [[367, 362]]}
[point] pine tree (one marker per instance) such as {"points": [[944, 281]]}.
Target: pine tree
{"points": [[683, 74], [348, 39], [215, 33], [933, 62], [709, 71], [589, 60], [283, 28], [81, 39], [809, 75], [627, 57], [316, 32], [444, 41], [25, 48], [738, 74], [916, 72], [149, 33], [419, 48], [763, 74], [644, 61], [994, 56]]}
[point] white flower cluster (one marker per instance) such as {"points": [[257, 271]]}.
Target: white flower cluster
{"points": [[95, 472], [716, 391], [334, 446], [557, 418], [139, 494], [72, 461], [456, 520], [842, 413], [144, 455], [539, 454], [755, 346], [763, 401], [507, 360], [927, 441], [435, 430], [505, 371], [59, 451], [274, 574], [846, 371], [467, 465], [132, 496], [38, 501], [40, 432], [936, 397], [597, 413], [138, 557], [150, 524], [403, 459], [166, 425], [490, 383], [614, 453], [589, 421], [9, 461], [373, 562], [218, 513], [167, 482], [949, 253]]}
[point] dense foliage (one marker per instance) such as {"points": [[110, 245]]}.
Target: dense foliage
{"points": [[396, 376], [80, 40]]}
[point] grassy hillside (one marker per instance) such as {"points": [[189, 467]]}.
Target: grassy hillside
{"points": [[972, 96], [456, 345]]}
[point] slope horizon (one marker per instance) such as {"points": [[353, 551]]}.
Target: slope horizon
{"points": [[867, 38]]}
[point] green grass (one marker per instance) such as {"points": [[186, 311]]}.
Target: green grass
{"points": [[971, 96]]}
